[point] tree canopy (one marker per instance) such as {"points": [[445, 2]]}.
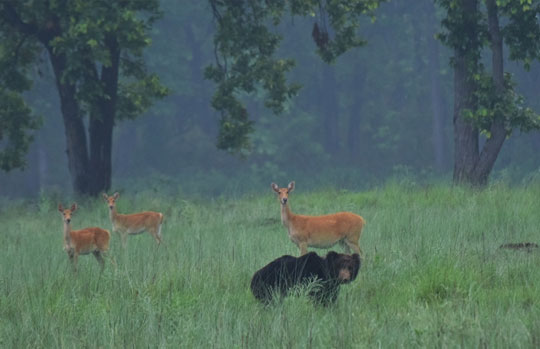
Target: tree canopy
{"points": [[95, 49], [486, 102], [245, 49]]}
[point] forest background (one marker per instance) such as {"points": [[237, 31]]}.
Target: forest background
{"points": [[380, 111]]}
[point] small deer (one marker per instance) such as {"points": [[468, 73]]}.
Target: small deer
{"points": [[319, 231], [84, 241], [136, 223]]}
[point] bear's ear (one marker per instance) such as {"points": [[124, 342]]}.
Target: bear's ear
{"points": [[332, 255], [331, 258]]}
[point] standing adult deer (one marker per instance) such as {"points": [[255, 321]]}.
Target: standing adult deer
{"points": [[84, 241], [319, 231], [136, 223]]}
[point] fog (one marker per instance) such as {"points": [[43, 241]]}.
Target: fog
{"points": [[380, 112]]}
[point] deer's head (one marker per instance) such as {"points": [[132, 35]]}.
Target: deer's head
{"points": [[283, 193], [111, 200], [67, 212]]}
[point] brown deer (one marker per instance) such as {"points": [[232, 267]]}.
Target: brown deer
{"points": [[136, 223], [84, 241], [319, 231]]}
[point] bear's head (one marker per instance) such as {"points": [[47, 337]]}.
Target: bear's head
{"points": [[343, 267]]}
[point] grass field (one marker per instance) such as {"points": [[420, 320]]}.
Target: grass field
{"points": [[433, 274]]}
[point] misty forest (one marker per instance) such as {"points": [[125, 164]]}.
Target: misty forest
{"points": [[201, 108], [422, 117]]}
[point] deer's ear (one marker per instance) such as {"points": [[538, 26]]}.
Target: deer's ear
{"points": [[275, 187], [116, 195], [74, 207], [60, 208], [290, 187], [105, 196]]}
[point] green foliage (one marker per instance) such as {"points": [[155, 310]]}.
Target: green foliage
{"points": [[465, 31], [468, 36], [245, 50], [16, 123], [433, 275], [508, 107], [137, 95], [91, 37], [522, 33], [16, 119]]}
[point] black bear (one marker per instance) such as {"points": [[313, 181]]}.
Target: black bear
{"points": [[330, 272]]}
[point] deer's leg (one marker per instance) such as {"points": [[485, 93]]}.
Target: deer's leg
{"points": [[123, 236], [159, 233], [99, 258], [71, 255], [303, 248], [355, 247], [74, 257], [345, 246], [155, 234]]}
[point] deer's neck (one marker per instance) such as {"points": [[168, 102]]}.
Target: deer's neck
{"points": [[67, 235], [286, 215], [113, 214]]}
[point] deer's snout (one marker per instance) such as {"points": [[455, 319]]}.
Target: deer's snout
{"points": [[68, 220], [284, 201]]}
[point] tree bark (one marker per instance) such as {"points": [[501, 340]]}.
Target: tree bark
{"points": [[465, 134], [76, 143], [102, 123], [470, 166], [494, 143], [89, 164]]}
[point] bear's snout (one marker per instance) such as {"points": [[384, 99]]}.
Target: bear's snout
{"points": [[344, 275]]}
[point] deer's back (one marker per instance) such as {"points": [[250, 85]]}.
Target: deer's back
{"points": [[90, 239]]}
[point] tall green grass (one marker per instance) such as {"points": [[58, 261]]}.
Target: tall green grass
{"points": [[433, 273]]}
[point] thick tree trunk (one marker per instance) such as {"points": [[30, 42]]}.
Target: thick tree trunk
{"points": [[102, 123], [76, 143], [101, 130], [465, 134], [493, 145], [89, 165], [471, 166], [90, 170]]}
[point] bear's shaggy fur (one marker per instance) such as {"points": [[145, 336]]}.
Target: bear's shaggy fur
{"points": [[329, 272]]}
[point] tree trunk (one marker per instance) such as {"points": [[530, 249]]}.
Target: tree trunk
{"points": [[470, 166], [76, 144], [89, 165], [102, 123], [494, 143], [465, 134]]}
